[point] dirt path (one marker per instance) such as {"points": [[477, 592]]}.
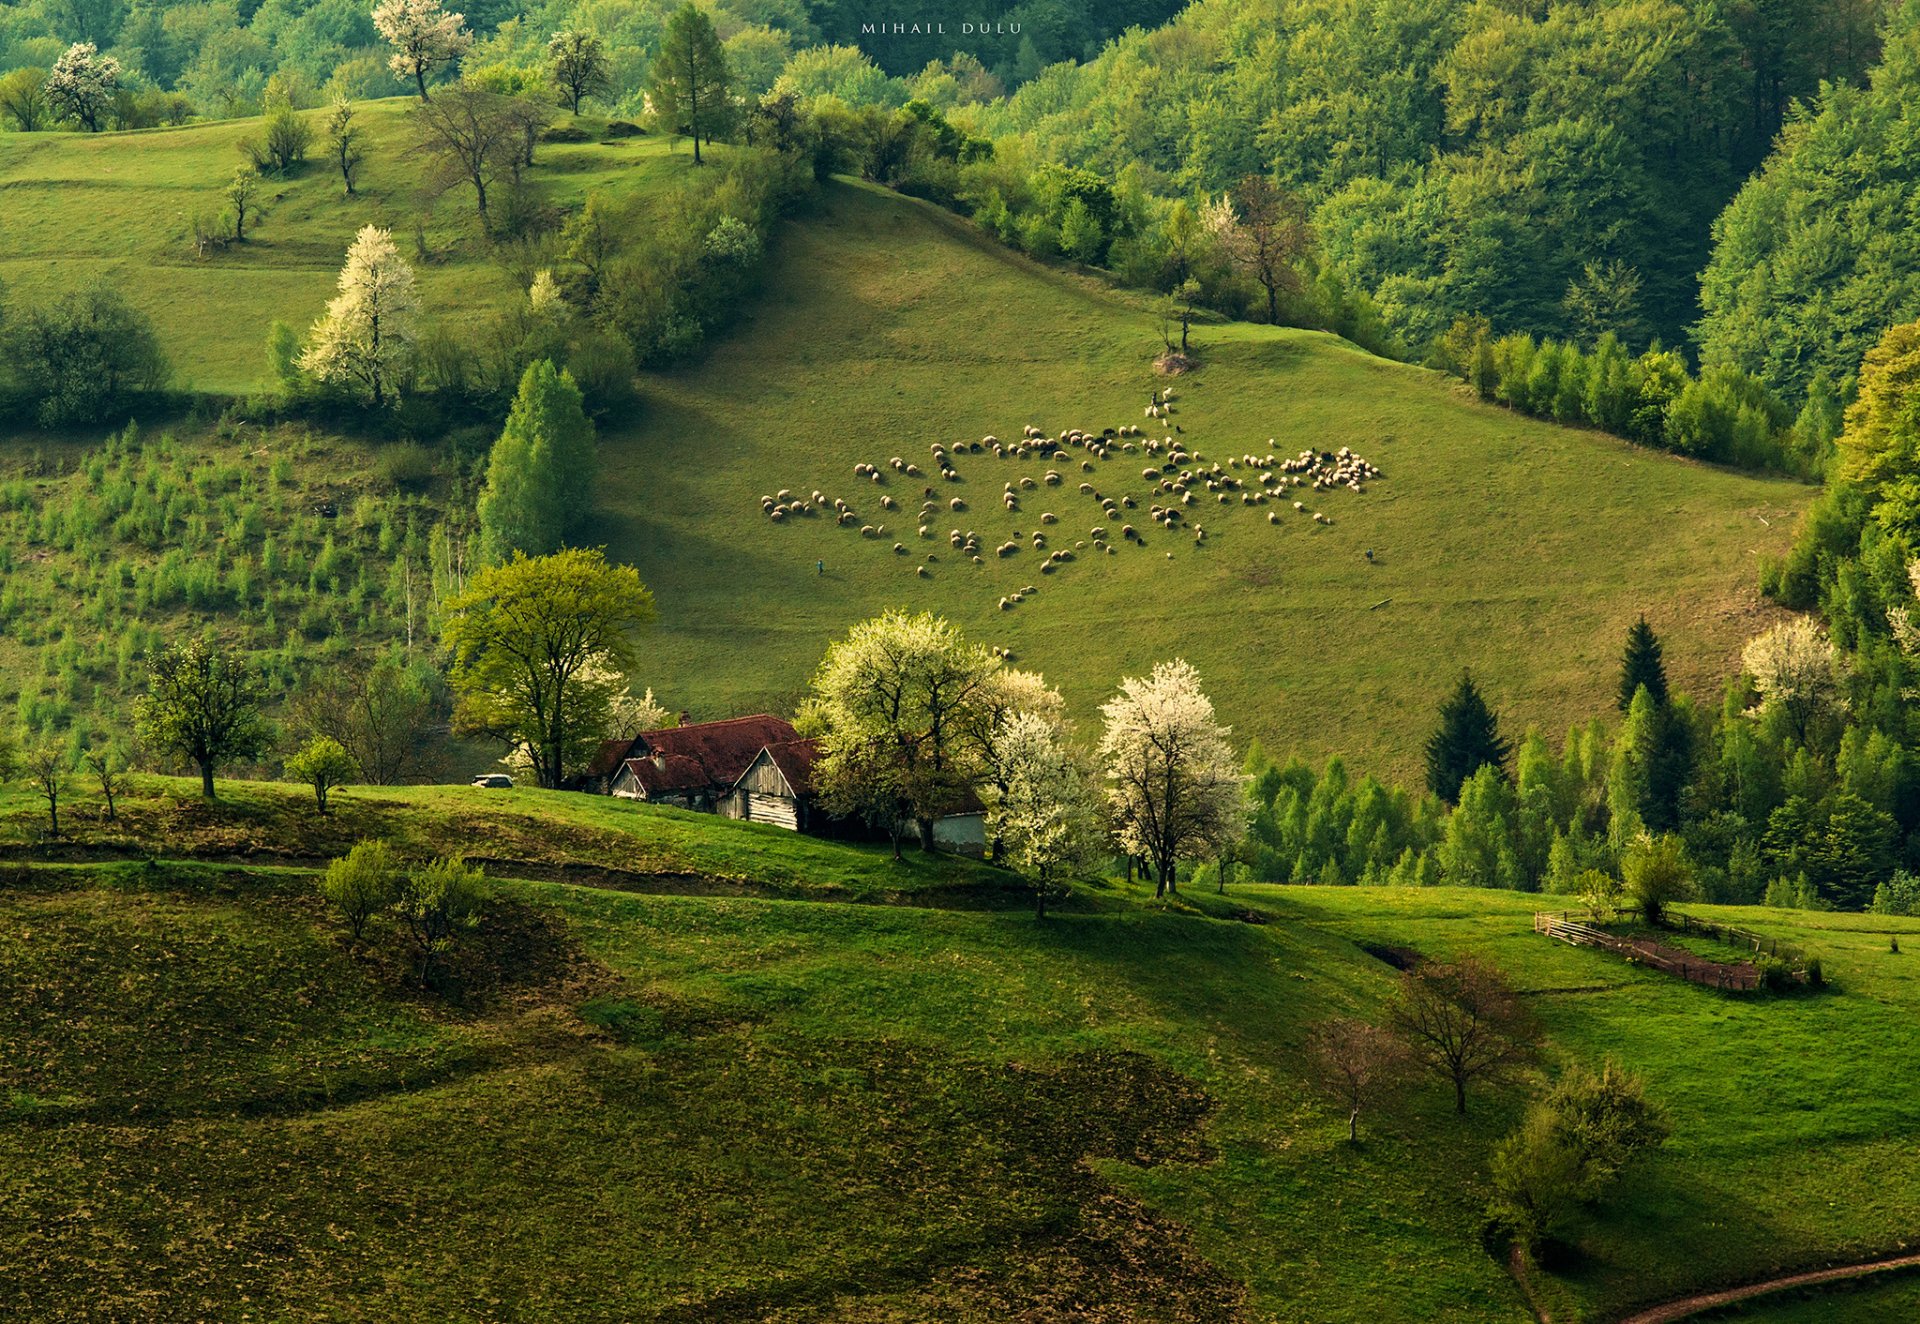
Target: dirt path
{"points": [[1693, 1305]]}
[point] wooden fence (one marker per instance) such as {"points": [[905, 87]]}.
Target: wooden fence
{"points": [[1742, 977]]}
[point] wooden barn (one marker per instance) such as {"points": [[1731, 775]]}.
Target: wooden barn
{"points": [[777, 786], [697, 766]]}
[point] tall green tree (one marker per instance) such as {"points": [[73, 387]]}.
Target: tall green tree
{"points": [[540, 473], [1641, 665], [1467, 739], [691, 82], [202, 704], [540, 647]]}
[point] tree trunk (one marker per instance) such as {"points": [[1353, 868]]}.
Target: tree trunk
{"points": [[1040, 901], [1460, 1095], [1273, 303], [206, 778], [1353, 1127], [420, 78], [926, 835]]}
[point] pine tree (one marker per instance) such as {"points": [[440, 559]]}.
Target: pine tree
{"points": [[540, 473], [1641, 665], [690, 78], [1467, 738]]}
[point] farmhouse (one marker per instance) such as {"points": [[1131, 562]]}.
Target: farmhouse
{"points": [[697, 766], [777, 786]]}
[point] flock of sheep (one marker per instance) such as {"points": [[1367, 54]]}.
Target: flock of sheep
{"points": [[1177, 475]]}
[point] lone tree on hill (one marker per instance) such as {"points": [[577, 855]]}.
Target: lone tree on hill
{"points": [[323, 763], [1174, 786], [365, 341], [202, 704], [424, 36], [1641, 665], [690, 78], [541, 469], [539, 647], [47, 765], [82, 84], [577, 63], [897, 698], [1468, 737], [1263, 231], [473, 135], [1354, 1061], [343, 141], [1462, 1022]]}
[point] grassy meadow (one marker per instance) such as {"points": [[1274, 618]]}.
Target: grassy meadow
{"points": [[792, 1106], [117, 206], [1521, 549], [1512, 546]]}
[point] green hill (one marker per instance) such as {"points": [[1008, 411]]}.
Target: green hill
{"points": [[1515, 547], [626, 1105], [117, 206], [1518, 548]]}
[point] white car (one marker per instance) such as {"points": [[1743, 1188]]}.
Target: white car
{"points": [[493, 781]]}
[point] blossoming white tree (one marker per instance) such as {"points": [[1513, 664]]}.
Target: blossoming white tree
{"points": [[1795, 669], [365, 341], [82, 82], [1174, 787], [1043, 812], [424, 36]]}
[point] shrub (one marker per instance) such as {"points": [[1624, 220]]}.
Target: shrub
{"points": [[623, 129], [361, 885], [323, 764], [435, 903], [407, 465], [84, 356], [1775, 975], [1899, 895]]}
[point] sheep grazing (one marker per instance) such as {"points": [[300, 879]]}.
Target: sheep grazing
{"points": [[954, 538], [957, 503], [1300, 505], [1027, 484], [1048, 517], [1318, 518], [990, 440], [776, 514], [1086, 489], [1273, 517], [1006, 604], [846, 517], [1086, 466], [913, 471], [923, 572], [1130, 533], [876, 476], [1097, 533], [1007, 549], [897, 464], [1039, 541], [888, 503], [867, 531], [1047, 568], [899, 549]]}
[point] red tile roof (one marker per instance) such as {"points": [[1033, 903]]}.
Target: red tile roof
{"points": [[703, 755], [795, 759]]}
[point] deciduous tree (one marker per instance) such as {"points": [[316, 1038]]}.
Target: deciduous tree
{"points": [[896, 699], [1174, 787], [82, 84], [424, 36], [522, 635], [322, 763], [1043, 811], [1354, 1061], [344, 141], [577, 63], [691, 84], [48, 766], [362, 885], [202, 704], [435, 903], [472, 136], [365, 342], [24, 99], [1263, 231], [1462, 1022]]}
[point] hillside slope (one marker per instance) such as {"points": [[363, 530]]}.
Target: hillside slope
{"points": [[626, 1106], [1518, 548]]}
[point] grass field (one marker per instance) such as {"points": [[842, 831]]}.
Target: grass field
{"points": [[795, 1109], [1518, 548], [116, 206]]}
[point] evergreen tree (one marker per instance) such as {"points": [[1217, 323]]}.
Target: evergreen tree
{"points": [[690, 78], [1468, 738], [540, 474], [1641, 665]]}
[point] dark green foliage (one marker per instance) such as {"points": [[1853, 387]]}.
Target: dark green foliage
{"points": [[1641, 665], [1467, 739], [202, 706], [540, 473], [82, 358], [1572, 1147], [690, 79]]}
